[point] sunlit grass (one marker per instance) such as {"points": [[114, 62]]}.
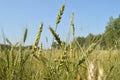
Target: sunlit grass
{"points": [[66, 62]]}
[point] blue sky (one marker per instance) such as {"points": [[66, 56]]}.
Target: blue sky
{"points": [[91, 16]]}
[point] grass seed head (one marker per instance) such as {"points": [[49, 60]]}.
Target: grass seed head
{"points": [[91, 48], [60, 14], [8, 41], [55, 36], [25, 35], [35, 45], [72, 18], [71, 23], [73, 29]]}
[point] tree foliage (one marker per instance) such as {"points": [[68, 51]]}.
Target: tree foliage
{"points": [[112, 33]]}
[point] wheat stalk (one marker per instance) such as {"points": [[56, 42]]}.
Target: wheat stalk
{"points": [[8, 41], [91, 71], [25, 35], [60, 14], [71, 50], [79, 77], [35, 45], [55, 36], [40, 50], [100, 74], [91, 48], [71, 23]]}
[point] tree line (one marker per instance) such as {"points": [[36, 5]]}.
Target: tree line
{"points": [[109, 39]]}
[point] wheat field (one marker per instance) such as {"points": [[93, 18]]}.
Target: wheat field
{"points": [[68, 62]]}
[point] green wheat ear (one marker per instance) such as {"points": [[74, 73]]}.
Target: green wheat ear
{"points": [[55, 36], [71, 24], [8, 41], [25, 35], [91, 48], [35, 45], [60, 14]]}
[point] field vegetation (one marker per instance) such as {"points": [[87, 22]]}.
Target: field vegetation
{"points": [[95, 57]]}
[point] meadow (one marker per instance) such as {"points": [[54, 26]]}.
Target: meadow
{"points": [[67, 62]]}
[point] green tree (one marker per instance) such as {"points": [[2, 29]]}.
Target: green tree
{"points": [[112, 32], [81, 41]]}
